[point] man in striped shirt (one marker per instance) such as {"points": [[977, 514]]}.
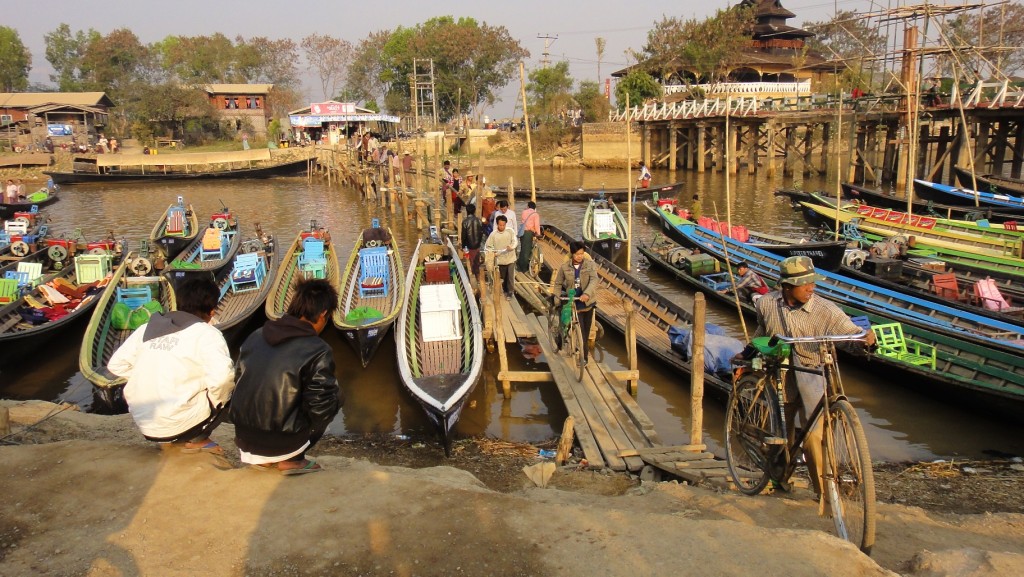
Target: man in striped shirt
{"points": [[795, 311]]}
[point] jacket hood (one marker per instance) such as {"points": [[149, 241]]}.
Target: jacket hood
{"points": [[287, 327], [163, 324]]}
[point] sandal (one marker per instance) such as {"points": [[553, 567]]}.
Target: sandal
{"points": [[308, 467], [210, 447]]}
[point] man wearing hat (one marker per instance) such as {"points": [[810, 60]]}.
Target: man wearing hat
{"points": [[795, 311]]}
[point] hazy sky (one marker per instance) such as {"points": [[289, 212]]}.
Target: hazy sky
{"points": [[623, 24]]}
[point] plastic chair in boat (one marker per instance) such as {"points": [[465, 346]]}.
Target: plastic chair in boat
{"points": [[892, 344], [90, 268], [987, 294], [374, 272], [946, 286], [9, 292], [249, 273], [134, 297], [313, 261], [604, 223], [214, 245], [16, 227], [20, 277], [33, 269]]}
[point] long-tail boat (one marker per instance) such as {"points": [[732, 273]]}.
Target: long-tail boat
{"points": [[949, 194], [604, 228], [439, 334], [175, 230], [372, 291], [989, 182], [311, 255]]}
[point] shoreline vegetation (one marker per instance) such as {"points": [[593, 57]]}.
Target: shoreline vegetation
{"points": [[87, 495]]}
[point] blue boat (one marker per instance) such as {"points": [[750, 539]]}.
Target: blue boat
{"points": [[947, 194], [870, 298]]}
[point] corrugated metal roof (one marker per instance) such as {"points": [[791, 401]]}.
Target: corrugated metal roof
{"points": [[238, 88], [30, 99]]}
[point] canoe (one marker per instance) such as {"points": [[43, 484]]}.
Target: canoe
{"points": [[241, 294], [604, 228], [869, 196], [161, 169], [372, 291], [616, 194], [964, 196], [827, 255], [33, 319], [989, 244], [102, 338], [989, 182], [617, 287], [965, 373], [211, 250], [439, 335], [42, 198], [293, 268], [184, 228], [956, 323]]}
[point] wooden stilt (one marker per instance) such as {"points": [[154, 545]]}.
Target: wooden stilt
{"points": [[565, 443], [697, 372]]}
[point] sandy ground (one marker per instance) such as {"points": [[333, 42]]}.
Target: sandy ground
{"points": [[85, 495]]}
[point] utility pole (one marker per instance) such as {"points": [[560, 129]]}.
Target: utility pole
{"points": [[549, 39]]}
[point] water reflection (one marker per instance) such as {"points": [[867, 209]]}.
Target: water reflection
{"points": [[901, 423]]}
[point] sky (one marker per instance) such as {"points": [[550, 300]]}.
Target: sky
{"points": [[575, 23]]}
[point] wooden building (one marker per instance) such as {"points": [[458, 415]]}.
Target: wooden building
{"points": [[244, 104], [27, 118]]}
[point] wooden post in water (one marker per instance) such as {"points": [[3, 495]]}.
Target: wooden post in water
{"points": [[5, 422], [631, 384], [511, 195], [392, 188], [499, 330], [565, 443], [697, 373]]}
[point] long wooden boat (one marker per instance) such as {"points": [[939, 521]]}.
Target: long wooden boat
{"points": [[873, 197], [195, 257], [989, 182], [290, 272], [955, 195], [827, 255], [370, 301], [169, 243], [123, 168], [964, 372], [616, 194], [439, 335], [992, 243], [604, 228], [37, 199], [102, 338], [238, 301], [956, 323], [616, 286], [30, 321]]}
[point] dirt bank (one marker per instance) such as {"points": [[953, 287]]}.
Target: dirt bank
{"points": [[85, 495]]}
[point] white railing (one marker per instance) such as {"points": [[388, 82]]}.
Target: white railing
{"points": [[689, 109], [794, 88]]}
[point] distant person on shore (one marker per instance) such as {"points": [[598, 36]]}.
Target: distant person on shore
{"points": [[286, 393], [245, 141], [696, 209], [179, 371], [502, 244], [472, 237], [644, 180], [530, 230], [10, 192]]}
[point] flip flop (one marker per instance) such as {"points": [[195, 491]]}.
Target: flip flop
{"points": [[309, 467], [210, 447]]}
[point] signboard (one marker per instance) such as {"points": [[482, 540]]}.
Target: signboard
{"points": [[329, 108], [608, 88], [59, 129]]}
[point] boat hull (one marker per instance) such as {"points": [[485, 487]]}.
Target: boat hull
{"points": [[989, 182], [7, 209], [286, 169], [616, 194], [964, 197], [366, 341]]}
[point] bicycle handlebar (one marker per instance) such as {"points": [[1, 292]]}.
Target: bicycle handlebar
{"points": [[819, 339]]}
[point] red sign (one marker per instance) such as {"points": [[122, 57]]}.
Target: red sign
{"points": [[608, 88], [328, 108]]}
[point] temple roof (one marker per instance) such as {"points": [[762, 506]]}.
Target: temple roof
{"points": [[767, 8]]}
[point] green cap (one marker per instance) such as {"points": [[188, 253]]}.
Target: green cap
{"points": [[797, 271]]}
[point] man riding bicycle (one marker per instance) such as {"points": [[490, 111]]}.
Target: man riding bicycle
{"points": [[579, 273], [795, 311]]}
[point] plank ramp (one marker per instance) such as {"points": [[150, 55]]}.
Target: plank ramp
{"points": [[689, 462]]}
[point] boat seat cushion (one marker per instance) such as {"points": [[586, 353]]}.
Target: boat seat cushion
{"points": [[372, 282], [175, 221]]}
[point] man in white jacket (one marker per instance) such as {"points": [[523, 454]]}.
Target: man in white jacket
{"points": [[179, 371]]}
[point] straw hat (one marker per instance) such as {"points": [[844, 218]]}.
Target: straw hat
{"points": [[488, 193]]}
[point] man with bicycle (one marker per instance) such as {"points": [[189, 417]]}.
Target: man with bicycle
{"points": [[579, 273], [795, 311]]}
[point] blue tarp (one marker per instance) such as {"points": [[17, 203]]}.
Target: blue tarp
{"points": [[719, 348]]}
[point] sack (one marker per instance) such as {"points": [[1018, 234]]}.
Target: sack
{"points": [[645, 182], [119, 315]]}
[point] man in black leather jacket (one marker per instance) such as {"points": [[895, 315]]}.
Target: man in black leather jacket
{"points": [[286, 392]]}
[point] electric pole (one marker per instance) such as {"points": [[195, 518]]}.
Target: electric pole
{"points": [[549, 39]]}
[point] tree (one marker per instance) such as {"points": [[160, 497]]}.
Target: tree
{"points": [[591, 100], [330, 57], [599, 43], [261, 59], [990, 40], [549, 90], [705, 50], [639, 85], [15, 61], [65, 51], [855, 41], [365, 79], [198, 59]]}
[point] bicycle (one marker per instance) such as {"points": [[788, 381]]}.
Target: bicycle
{"points": [[759, 448], [566, 324]]}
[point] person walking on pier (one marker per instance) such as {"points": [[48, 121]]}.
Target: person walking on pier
{"points": [[502, 243], [179, 371], [286, 392], [529, 229], [580, 273], [472, 238]]}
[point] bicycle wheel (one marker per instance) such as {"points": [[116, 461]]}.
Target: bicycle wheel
{"points": [[576, 345], [850, 482], [752, 421]]}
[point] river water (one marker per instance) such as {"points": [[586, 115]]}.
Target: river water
{"points": [[901, 423]]}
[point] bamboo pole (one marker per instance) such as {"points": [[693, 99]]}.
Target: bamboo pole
{"points": [[526, 121], [511, 195], [697, 372], [629, 192], [728, 162]]}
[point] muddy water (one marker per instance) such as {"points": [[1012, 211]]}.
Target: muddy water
{"points": [[901, 423]]}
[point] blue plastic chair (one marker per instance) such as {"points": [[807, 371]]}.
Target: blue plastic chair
{"points": [[249, 273], [134, 297], [374, 272], [313, 261]]}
